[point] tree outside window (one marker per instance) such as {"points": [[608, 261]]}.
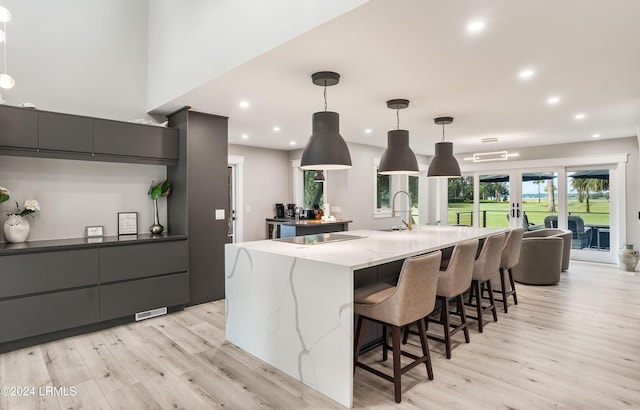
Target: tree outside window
{"points": [[313, 190], [383, 191]]}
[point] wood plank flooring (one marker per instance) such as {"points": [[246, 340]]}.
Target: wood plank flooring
{"points": [[571, 346]]}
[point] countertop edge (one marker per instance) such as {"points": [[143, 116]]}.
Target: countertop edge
{"points": [[51, 245]]}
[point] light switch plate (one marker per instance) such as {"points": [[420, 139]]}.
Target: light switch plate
{"points": [[219, 214]]}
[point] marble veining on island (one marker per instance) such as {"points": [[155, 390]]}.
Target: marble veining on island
{"points": [[291, 305]]}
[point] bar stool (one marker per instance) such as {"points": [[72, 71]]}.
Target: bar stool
{"points": [[509, 259], [453, 282], [395, 306], [484, 267]]}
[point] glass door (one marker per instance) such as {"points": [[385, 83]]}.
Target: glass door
{"points": [[540, 199], [589, 213], [494, 206]]}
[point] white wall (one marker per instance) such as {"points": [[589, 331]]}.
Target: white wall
{"points": [[74, 194], [84, 57], [266, 175], [192, 44]]}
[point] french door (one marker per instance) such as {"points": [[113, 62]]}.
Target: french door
{"points": [[588, 200]]}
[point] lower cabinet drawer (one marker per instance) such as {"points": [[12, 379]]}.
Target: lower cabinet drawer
{"points": [[36, 315], [126, 298]]}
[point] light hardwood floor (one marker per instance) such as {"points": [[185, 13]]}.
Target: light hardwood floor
{"points": [[575, 345]]}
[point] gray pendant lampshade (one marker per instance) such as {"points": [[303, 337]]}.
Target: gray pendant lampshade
{"points": [[444, 164], [326, 148], [398, 158]]}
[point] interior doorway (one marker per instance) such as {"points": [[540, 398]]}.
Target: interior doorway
{"points": [[235, 190]]}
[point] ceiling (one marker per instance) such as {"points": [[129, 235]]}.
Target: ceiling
{"points": [[586, 52]]}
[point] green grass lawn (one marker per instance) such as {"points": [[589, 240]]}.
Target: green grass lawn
{"points": [[497, 212]]}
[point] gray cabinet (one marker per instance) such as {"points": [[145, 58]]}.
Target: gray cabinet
{"points": [[34, 133], [159, 142], [125, 298], [61, 289], [18, 128], [39, 314], [115, 138], [137, 261], [63, 132], [47, 271]]}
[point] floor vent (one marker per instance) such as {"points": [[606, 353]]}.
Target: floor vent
{"points": [[151, 313]]}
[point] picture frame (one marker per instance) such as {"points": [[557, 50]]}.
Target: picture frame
{"points": [[96, 231], [127, 223]]}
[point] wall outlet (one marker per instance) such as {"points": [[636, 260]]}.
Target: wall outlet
{"points": [[248, 208], [219, 214]]}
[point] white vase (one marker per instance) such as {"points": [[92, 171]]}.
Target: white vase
{"points": [[16, 229], [629, 257]]}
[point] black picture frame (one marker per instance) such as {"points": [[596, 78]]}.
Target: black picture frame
{"points": [[127, 223]]}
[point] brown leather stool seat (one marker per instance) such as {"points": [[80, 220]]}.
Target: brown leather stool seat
{"points": [[396, 306], [510, 258], [453, 282], [484, 267]]}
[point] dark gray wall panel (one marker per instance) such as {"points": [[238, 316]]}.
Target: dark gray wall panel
{"points": [[149, 259], [41, 314], [205, 137], [127, 298], [40, 272], [18, 127], [63, 132]]}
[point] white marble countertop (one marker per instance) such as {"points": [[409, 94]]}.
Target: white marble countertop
{"points": [[375, 247]]}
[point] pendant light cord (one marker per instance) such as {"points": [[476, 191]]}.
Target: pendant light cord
{"points": [[398, 118], [442, 133], [4, 46], [325, 96]]}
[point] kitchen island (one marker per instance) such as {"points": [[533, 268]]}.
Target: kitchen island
{"points": [[289, 301]]}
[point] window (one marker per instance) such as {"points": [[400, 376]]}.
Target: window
{"points": [[313, 190], [383, 191], [460, 201], [414, 190]]}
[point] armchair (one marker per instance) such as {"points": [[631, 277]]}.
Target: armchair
{"points": [[580, 236]]}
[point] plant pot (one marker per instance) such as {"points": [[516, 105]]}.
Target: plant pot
{"points": [[629, 257], [16, 229]]}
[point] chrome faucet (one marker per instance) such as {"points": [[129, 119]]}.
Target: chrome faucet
{"points": [[393, 208]]}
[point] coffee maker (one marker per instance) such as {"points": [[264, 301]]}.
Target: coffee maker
{"points": [[291, 211], [279, 210]]}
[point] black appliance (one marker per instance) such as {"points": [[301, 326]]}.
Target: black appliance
{"points": [[291, 211], [279, 210]]}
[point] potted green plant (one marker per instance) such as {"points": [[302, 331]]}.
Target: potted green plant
{"points": [[155, 191]]}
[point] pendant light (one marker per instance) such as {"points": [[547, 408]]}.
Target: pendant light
{"points": [[6, 81], [326, 148], [319, 176], [444, 164], [398, 158]]}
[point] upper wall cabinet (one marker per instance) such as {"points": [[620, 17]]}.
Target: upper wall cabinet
{"points": [[159, 142], [29, 132], [18, 128], [115, 138], [62, 132]]}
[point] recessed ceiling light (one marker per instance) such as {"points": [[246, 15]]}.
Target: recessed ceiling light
{"points": [[244, 104], [595, 136], [292, 143], [579, 116], [245, 136], [368, 131], [476, 26], [526, 73], [276, 129], [553, 100], [489, 139]]}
